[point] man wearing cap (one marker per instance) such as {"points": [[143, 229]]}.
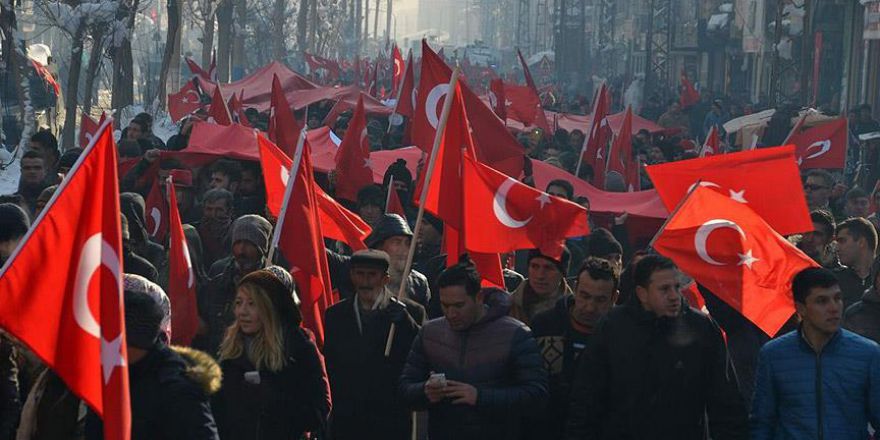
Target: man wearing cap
{"points": [[170, 387], [544, 286], [250, 246], [186, 197], [362, 379], [392, 235]]}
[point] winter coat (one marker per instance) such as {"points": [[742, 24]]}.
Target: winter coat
{"points": [[51, 411], [863, 317], [561, 346], [283, 405], [497, 355], [215, 301], [170, 396], [800, 394], [525, 303], [852, 286], [10, 407], [363, 381], [644, 377], [340, 277]]}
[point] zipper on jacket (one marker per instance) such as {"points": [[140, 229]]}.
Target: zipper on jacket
{"points": [[819, 411], [463, 350]]}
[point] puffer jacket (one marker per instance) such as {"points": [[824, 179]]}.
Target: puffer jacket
{"points": [[832, 395], [649, 377], [863, 317], [497, 355]]}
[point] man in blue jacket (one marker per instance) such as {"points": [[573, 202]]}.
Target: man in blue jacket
{"points": [[819, 381]]}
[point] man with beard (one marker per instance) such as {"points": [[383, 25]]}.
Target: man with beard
{"points": [[250, 246], [545, 285], [563, 333], [250, 197], [33, 179], [392, 235], [214, 227], [817, 244]]}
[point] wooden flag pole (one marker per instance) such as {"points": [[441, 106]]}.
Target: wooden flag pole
{"points": [[399, 91], [297, 160], [388, 196], [438, 138], [674, 211]]}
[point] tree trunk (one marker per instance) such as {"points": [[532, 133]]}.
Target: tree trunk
{"points": [[224, 39], [16, 59], [366, 20], [71, 94], [123, 63], [172, 39], [313, 27], [208, 36], [238, 54], [96, 56], [302, 22], [376, 21], [279, 18]]}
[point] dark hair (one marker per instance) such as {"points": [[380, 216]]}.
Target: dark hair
{"points": [[47, 140], [807, 279], [860, 228], [647, 266], [600, 269], [216, 194], [464, 274], [146, 127], [825, 219], [31, 154], [825, 175], [565, 185], [230, 168], [855, 193]]}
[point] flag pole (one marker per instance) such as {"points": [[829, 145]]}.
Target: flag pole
{"points": [[438, 138], [675, 211], [399, 90], [388, 196], [577, 172], [297, 160]]}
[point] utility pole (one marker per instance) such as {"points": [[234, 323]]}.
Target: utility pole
{"points": [[657, 47]]}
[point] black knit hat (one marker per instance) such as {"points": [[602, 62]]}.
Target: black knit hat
{"points": [[280, 295], [561, 263], [143, 319], [371, 195], [400, 173], [389, 225], [14, 222], [601, 243]]}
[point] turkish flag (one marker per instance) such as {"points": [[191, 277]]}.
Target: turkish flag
{"points": [[301, 240], [406, 102], [236, 110], [184, 102], [539, 117], [494, 143], [712, 146], [157, 220], [526, 73], [196, 69], [218, 110], [768, 180], [283, 127], [593, 150], [88, 128], [820, 146], [393, 205], [498, 98], [338, 223], [728, 248], [353, 170], [620, 158], [181, 279], [62, 287], [399, 69], [315, 62], [689, 95], [502, 214], [524, 105]]}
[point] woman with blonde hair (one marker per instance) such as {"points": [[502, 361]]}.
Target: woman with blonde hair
{"points": [[274, 381]]}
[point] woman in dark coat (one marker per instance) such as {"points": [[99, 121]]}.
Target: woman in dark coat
{"points": [[274, 382]]}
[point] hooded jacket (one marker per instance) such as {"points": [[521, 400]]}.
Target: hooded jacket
{"points": [[644, 376], [863, 317], [497, 355]]}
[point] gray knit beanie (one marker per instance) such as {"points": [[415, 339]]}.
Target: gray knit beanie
{"points": [[147, 312], [254, 229]]}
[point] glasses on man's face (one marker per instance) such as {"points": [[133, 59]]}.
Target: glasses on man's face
{"points": [[812, 187]]}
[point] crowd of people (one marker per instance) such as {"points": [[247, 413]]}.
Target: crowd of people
{"points": [[598, 343]]}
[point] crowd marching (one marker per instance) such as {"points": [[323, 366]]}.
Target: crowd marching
{"points": [[269, 297]]}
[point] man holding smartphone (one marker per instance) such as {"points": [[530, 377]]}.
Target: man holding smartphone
{"points": [[476, 370]]}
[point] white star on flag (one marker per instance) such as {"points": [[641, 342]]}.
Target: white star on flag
{"points": [[747, 259], [111, 356], [738, 196], [543, 199]]}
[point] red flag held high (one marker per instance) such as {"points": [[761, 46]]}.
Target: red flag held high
{"points": [[593, 150], [712, 146], [184, 102], [301, 240], [181, 279], [498, 98], [283, 127], [398, 71], [502, 214], [218, 110], [689, 95], [196, 69], [157, 212], [88, 129], [728, 248], [406, 102], [353, 170], [393, 205], [539, 117], [820, 146], [620, 158], [68, 309], [768, 180]]}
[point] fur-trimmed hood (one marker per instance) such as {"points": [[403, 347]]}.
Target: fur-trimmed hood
{"points": [[201, 368]]}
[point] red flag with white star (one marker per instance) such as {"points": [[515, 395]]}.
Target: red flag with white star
{"points": [[181, 279], [353, 170]]}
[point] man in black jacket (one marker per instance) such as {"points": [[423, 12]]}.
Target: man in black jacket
{"points": [[477, 371], [656, 369], [363, 380], [564, 332]]}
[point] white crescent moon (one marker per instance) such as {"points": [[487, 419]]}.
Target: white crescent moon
{"points": [[493, 100], [708, 184], [95, 253], [415, 94], [703, 233], [191, 279], [157, 220], [363, 136], [397, 67], [431, 102], [285, 176], [824, 147], [195, 97], [499, 204]]}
